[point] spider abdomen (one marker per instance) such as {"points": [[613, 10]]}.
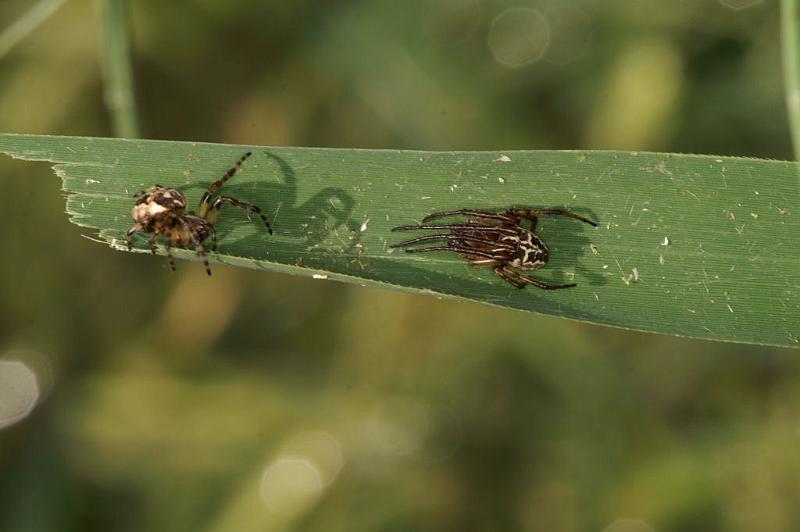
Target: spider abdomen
{"points": [[157, 203], [531, 253]]}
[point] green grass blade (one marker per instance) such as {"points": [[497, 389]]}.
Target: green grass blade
{"points": [[697, 246]]}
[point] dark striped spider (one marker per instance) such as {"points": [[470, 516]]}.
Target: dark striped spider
{"points": [[492, 239], [162, 212]]}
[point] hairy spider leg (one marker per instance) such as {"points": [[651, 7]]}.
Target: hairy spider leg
{"points": [[504, 217], [498, 245], [459, 249], [511, 215], [531, 214], [168, 246], [129, 235], [483, 262], [198, 246], [213, 231], [206, 198], [507, 273], [507, 278], [471, 227], [249, 207], [152, 242]]}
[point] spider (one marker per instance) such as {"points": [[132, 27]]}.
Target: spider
{"points": [[493, 239], [161, 211]]}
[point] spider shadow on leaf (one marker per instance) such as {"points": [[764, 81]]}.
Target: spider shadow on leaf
{"points": [[312, 222], [567, 242]]}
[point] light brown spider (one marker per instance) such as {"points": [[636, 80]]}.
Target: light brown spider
{"points": [[162, 212]]}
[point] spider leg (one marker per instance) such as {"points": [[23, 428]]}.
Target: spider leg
{"points": [[451, 237], [501, 272], [152, 242], [483, 262], [129, 235], [213, 232], [249, 207], [458, 249], [471, 227], [530, 280], [532, 213], [206, 199], [505, 217], [198, 245], [168, 246]]}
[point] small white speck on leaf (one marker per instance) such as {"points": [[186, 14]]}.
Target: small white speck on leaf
{"points": [[665, 241], [661, 168], [661, 260], [754, 215], [729, 307], [635, 272], [503, 159], [501, 180], [364, 225], [319, 276], [595, 249], [424, 197], [91, 181], [453, 187]]}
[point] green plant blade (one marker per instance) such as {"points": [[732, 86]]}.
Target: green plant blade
{"points": [[689, 245]]}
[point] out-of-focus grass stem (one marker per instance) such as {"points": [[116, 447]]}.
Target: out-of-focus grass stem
{"points": [[28, 22], [790, 43], [117, 70]]}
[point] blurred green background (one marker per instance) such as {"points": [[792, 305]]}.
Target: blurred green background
{"points": [[136, 399]]}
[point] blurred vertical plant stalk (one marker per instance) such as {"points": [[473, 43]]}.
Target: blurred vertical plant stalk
{"points": [[27, 23], [117, 71], [790, 43]]}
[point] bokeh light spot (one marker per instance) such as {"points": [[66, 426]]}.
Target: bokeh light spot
{"points": [[19, 391], [518, 36], [320, 447], [290, 485]]}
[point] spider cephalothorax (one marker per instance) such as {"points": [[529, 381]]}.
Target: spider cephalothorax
{"points": [[493, 239], [162, 212]]}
